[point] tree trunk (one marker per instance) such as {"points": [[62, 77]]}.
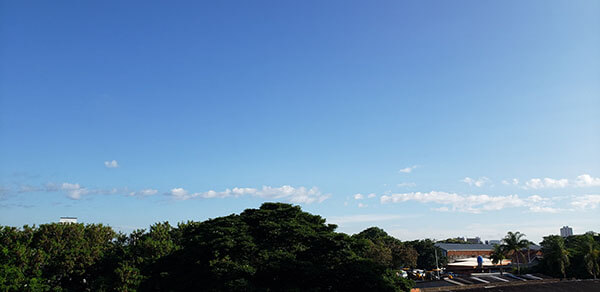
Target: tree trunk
{"points": [[518, 267]]}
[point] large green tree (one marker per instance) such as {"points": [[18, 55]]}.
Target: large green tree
{"points": [[428, 252], [374, 243], [556, 257], [58, 257], [275, 247]]}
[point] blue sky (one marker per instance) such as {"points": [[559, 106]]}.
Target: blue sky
{"points": [[449, 118]]}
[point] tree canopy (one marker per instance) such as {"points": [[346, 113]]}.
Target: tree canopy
{"points": [[574, 256], [274, 247]]}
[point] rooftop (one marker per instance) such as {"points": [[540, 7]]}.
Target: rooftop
{"points": [[464, 246], [473, 246]]}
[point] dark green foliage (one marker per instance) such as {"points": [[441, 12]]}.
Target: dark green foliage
{"points": [[401, 284], [589, 250], [52, 257], [426, 250], [377, 245], [276, 247], [576, 256], [556, 257], [499, 254], [584, 255], [454, 240]]}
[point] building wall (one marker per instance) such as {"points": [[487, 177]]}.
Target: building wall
{"points": [[68, 220], [460, 254], [566, 231]]}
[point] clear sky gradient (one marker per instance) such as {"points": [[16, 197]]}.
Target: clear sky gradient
{"points": [[449, 118]]}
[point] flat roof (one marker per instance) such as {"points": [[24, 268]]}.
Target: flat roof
{"points": [[465, 246], [475, 246]]}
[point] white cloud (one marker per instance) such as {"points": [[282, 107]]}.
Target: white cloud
{"points": [[364, 218], [538, 204], [111, 164], [441, 209], [361, 205], [476, 182], [73, 191], [540, 209], [300, 195], [480, 203], [586, 202], [536, 183], [536, 199], [407, 184], [408, 169], [76, 191], [142, 193], [28, 189], [514, 182], [361, 196], [586, 180], [181, 194], [456, 202]]}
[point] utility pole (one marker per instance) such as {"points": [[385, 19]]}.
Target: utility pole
{"points": [[436, 262]]}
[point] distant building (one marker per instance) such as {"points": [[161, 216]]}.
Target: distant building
{"points": [[460, 251], [566, 231], [475, 240], [495, 241], [456, 251], [68, 220]]}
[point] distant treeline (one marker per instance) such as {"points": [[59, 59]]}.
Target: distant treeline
{"points": [[277, 247]]}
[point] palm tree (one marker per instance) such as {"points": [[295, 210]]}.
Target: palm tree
{"points": [[555, 253], [592, 253], [497, 256], [515, 242]]}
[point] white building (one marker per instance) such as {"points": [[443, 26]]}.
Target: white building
{"points": [[68, 220], [566, 231]]}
